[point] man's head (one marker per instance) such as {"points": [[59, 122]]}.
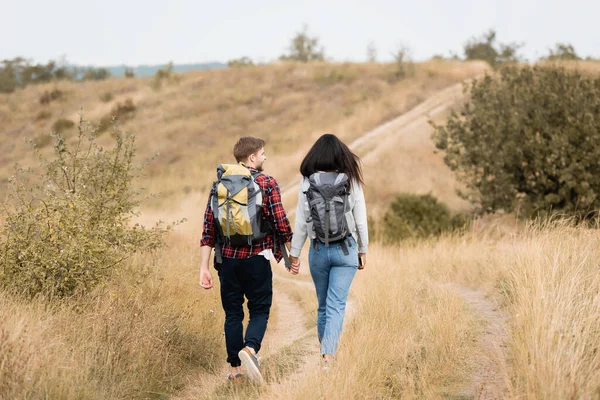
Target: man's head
{"points": [[250, 151]]}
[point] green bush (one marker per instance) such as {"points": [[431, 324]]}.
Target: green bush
{"points": [[69, 228], [419, 216], [528, 140]]}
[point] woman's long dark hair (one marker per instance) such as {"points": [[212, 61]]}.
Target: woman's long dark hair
{"points": [[331, 154]]}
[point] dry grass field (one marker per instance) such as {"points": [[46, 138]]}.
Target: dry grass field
{"points": [[506, 310]]}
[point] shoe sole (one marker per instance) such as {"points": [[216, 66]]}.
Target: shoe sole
{"points": [[251, 368]]}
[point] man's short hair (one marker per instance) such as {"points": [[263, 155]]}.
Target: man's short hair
{"points": [[247, 146]]}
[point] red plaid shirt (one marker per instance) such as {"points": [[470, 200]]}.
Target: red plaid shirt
{"points": [[272, 210]]}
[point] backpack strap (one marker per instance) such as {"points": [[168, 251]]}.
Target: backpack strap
{"points": [[284, 253], [217, 229], [327, 222]]}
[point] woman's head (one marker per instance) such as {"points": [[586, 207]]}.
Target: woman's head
{"points": [[330, 154]]}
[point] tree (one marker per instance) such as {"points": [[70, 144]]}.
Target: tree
{"points": [[485, 48], [563, 51], [528, 140], [304, 48], [96, 74], [404, 65], [371, 52]]}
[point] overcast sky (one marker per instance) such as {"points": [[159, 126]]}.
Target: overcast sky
{"points": [[133, 32]]}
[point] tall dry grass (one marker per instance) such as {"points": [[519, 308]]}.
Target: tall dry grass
{"points": [[414, 336], [141, 336]]}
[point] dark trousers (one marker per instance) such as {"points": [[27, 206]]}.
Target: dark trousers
{"points": [[253, 278]]}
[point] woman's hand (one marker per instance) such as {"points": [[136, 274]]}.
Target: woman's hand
{"points": [[363, 258], [295, 261]]}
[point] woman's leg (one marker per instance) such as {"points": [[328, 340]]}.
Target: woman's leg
{"points": [[342, 271], [319, 270]]}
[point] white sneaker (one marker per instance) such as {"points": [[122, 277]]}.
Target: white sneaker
{"points": [[250, 362]]}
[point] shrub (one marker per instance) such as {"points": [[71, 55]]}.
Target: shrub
{"points": [[42, 115], [106, 97], [120, 112], [71, 230], [418, 216], [61, 125], [240, 62], [42, 141], [95, 74], [403, 64], [528, 139], [129, 73], [164, 74], [563, 51], [335, 74], [49, 96], [20, 72]]}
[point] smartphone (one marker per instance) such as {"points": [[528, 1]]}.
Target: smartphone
{"points": [[360, 264]]}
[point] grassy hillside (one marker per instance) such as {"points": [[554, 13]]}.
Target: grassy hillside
{"points": [[194, 122], [493, 313]]}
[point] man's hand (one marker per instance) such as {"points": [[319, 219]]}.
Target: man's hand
{"points": [[205, 278], [295, 261], [363, 257]]}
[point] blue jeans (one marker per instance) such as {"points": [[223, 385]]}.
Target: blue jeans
{"points": [[332, 272]]}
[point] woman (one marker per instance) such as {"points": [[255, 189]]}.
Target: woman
{"points": [[332, 212]]}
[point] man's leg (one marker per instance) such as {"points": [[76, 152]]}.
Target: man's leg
{"points": [[232, 299], [256, 279]]}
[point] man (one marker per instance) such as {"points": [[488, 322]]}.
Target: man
{"points": [[245, 270]]}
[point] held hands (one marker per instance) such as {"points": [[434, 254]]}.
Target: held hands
{"points": [[295, 265]]}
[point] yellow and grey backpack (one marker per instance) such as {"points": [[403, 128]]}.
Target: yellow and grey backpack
{"points": [[237, 204]]}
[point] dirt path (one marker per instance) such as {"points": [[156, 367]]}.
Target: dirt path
{"points": [[405, 123], [489, 382], [288, 326]]}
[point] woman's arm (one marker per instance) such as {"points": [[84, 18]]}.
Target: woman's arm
{"points": [[300, 226], [359, 212]]}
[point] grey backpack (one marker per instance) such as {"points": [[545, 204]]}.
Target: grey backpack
{"points": [[327, 197]]}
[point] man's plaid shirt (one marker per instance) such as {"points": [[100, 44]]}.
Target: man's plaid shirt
{"points": [[272, 211]]}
